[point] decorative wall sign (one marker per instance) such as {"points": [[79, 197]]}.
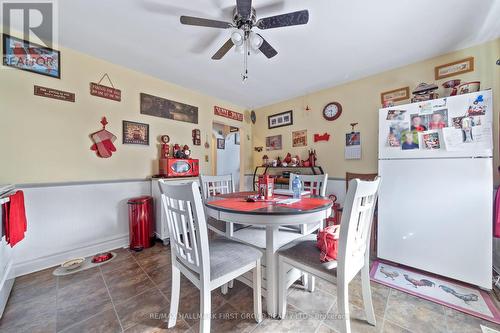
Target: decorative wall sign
{"points": [[280, 119], [274, 142], [135, 133], [395, 95], [299, 138], [221, 144], [103, 141], [321, 137], [218, 111], [196, 137], [165, 108], [99, 90], [454, 68], [31, 57], [54, 93]]}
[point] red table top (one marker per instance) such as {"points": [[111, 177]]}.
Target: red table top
{"points": [[236, 203]]}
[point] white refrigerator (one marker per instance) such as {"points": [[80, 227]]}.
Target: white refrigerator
{"points": [[436, 194]]}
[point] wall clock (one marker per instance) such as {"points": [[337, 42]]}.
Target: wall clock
{"points": [[332, 111]]}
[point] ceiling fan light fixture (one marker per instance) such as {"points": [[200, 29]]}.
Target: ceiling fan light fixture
{"points": [[239, 49], [255, 40], [237, 38]]}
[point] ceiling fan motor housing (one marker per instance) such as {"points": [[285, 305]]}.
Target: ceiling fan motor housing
{"points": [[244, 23]]}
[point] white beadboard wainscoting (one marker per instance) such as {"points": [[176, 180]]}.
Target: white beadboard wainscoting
{"points": [[74, 220]]}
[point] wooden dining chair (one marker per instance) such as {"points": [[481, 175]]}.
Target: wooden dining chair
{"points": [[316, 184], [217, 185], [205, 264], [353, 254]]}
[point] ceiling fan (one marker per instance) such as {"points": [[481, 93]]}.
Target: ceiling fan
{"points": [[243, 37]]}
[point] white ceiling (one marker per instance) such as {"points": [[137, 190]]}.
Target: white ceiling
{"points": [[344, 41]]}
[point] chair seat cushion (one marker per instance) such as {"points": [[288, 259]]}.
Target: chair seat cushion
{"points": [[305, 252], [227, 256]]}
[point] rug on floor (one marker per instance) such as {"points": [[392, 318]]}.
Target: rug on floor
{"points": [[440, 290]]}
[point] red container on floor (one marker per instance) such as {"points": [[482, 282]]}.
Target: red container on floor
{"points": [[141, 223]]}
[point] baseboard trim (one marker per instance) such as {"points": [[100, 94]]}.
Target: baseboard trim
{"points": [[55, 259]]}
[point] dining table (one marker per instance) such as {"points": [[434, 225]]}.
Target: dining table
{"points": [[268, 221]]}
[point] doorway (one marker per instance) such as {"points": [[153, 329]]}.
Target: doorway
{"points": [[227, 151]]}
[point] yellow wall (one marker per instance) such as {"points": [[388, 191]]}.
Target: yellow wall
{"points": [[46, 140], [361, 101]]}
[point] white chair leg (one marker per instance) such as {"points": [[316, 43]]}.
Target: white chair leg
{"points": [[311, 281], [257, 291], [205, 309], [231, 284], [229, 229], [223, 289], [343, 305], [174, 296], [303, 229], [305, 281], [367, 295], [282, 288]]}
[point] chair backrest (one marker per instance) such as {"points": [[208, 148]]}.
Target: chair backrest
{"points": [[215, 185], [314, 183], [355, 226], [187, 226], [361, 176]]}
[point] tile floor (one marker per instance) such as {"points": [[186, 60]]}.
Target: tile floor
{"points": [[132, 293]]}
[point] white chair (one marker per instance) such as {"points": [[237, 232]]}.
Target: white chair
{"points": [[205, 264], [316, 184], [353, 253], [216, 185]]}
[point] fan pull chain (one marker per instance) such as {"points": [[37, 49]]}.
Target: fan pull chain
{"points": [[245, 60]]}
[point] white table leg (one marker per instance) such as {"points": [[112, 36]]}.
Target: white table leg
{"points": [[272, 270]]}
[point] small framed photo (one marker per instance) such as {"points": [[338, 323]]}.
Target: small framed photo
{"points": [[135, 133], [31, 57], [299, 138], [274, 142], [280, 119], [454, 68], [395, 95], [221, 144]]}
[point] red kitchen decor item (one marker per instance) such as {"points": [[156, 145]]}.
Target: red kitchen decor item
{"points": [[321, 137], [14, 217], [99, 90], [218, 111], [179, 167], [266, 186], [103, 141], [327, 241], [141, 223]]}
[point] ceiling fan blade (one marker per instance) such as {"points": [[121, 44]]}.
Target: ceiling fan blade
{"points": [[244, 7], [223, 50], [267, 49], [202, 22], [284, 20]]}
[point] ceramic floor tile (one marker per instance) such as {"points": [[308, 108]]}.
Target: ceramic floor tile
{"points": [[123, 260], [78, 277], [104, 322], [228, 319], [459, 322], [315, 303], [295, 321], [30, 286], [389, 327], [127, 283], [380, 295], [81, 300], [415, 314], [358, 320], [161, 276], [149, 308]]}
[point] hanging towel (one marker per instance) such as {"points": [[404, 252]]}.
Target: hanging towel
{"points": [[15, 219], [496, 220]]}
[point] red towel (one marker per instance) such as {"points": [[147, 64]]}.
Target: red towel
{"points": [[496, 219], [15, 219]]}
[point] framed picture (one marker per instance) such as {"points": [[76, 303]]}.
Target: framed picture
{"points": [[454, 68], [395, 95], [280, 119], [221, 144], [237, 138], [274, 142], [165, 108], [299, 138], [31, 57], [135, 133]]}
